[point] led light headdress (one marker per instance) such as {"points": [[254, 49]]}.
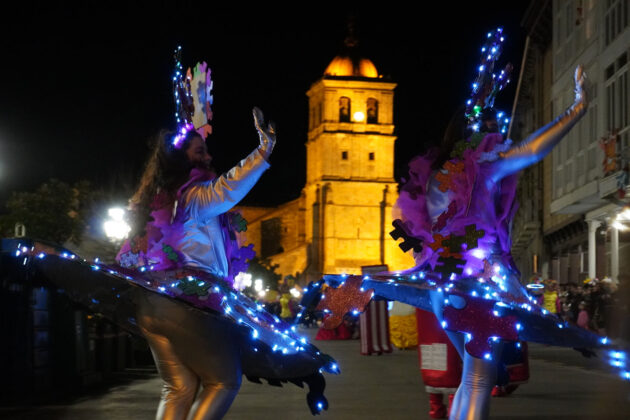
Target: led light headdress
{"points": [[488, 84], [193, 100]]}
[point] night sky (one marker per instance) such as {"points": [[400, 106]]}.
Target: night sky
{"points": [[85, 89]]}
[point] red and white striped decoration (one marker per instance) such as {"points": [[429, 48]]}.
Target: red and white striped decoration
{"points": [[374, 324]]}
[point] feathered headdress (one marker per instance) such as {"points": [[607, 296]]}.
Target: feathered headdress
{"points": [[193, 99], [488, 84]]}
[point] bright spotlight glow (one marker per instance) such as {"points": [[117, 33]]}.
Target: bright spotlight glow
{"points": [[242, 280], [258, 285], [295, 292], [115, 227], [359, 116]]}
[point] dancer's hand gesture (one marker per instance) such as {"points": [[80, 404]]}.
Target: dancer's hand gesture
{"points": [[267, 134]]}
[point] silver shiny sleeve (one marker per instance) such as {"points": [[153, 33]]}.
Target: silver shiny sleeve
{"points": [[535, 147], [211, 198]]}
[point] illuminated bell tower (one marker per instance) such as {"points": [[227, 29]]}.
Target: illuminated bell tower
{"points": [[350, 187]]}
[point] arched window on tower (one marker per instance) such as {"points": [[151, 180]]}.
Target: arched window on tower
{"points": [[344, 109], [372, 111]]}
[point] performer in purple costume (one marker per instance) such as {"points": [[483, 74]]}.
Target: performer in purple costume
{"points": [[455, 213], [173, 283], [189, 348]]}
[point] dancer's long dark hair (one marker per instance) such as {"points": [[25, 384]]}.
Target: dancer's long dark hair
{"points": [[166, 170], [455, 131]]}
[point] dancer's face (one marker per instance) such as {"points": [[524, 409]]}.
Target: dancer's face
{"points": [[197, 153]]}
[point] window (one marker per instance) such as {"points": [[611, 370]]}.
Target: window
{"points": [[372, 111], [344, 109], [344, 155], [371, 155], [615, 19], [618, 102], [271, 236]]}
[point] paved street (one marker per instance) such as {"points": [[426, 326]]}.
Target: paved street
{"points": [[563, 385]]}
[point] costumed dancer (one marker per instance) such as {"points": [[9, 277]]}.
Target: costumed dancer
{"points": [[402, 326], [440, 364], [455, 213], [174, 281]]}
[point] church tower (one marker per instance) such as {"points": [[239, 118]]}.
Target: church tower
{"points": [[350, 187]]}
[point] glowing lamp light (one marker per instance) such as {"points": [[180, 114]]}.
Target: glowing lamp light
{"points": [[115, 227], [618, 225], [258, 285], [262, 293], [358, 116], [295, 292]]}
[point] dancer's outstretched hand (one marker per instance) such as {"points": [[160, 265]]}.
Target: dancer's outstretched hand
{"points": [[580, 84], [267, 134]]}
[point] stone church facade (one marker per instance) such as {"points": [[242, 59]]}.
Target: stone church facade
{"points": [[341, 221]]}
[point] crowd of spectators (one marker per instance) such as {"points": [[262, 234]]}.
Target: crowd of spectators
{"points": [[600, 306]]}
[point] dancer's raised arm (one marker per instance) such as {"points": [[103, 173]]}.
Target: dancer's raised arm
{"points": [[211, 198], [535, 147]]}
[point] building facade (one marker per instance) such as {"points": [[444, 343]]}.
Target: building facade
{"points": [[341, 221], [587, 171]]}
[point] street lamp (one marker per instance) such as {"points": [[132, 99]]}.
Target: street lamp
{"points": [[116, 229]]}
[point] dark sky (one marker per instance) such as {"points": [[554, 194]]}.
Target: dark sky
{"points": [[85, 89]]}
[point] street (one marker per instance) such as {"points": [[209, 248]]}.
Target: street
{"points": [[563, 385]]}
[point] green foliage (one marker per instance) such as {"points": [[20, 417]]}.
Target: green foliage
{"points": [[55, 211]]}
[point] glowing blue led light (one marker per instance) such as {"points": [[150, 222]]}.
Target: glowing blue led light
{"points": [[560, 326], [255, 334], [495, 313], [162, 289], [518, 327], [444, 324], [518, 345], [303, 340], [604, 340], [320, 406], [494, 338], [17, 253], [487, 356], [481, 68], [333, 366], [95, 267], [473, 293], [201, 283], [355, 312], [626, 375], [468, 336], [41, 255]]}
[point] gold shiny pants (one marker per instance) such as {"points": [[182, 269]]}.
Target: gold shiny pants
{"points": [[196, 355]]}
